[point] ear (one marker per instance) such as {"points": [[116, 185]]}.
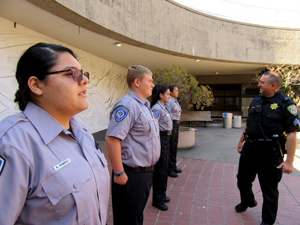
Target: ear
{"points": [[136, 82], [35, 85], [161, 95], [274, 86]]}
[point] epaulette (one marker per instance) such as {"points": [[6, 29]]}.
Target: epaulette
{"points": [[9, 122]]}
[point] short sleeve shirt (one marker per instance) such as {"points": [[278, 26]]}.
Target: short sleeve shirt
{"points": [[174, 108], [50, 175], [134, 124], [278, 114], [162, 114]]}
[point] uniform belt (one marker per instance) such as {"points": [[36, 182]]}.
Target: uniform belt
{"points": [[138, 168], [261, 140], [176, 121], [165, 133]]}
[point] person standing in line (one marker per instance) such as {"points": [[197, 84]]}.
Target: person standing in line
{"points": [[51, 170], [133, 146], [161, 96], [262, 146], [175, 111]]}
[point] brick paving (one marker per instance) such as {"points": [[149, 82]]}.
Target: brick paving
{"points": [[206, 193]]}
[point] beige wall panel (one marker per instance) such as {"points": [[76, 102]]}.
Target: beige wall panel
{"points": [[163, 26], [107, 80]]}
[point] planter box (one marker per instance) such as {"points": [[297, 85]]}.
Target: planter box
{"points": [[186, 138]]}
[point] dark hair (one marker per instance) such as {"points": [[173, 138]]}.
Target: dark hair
{"points": [[172, 87], [36, 61], [156, 91]]}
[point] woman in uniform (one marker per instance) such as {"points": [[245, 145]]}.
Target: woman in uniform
{"points": [[161, 96], [52, 172], [175, 111]]}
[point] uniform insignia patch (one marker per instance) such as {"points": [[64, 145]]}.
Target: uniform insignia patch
{"points": [[2, 163], [156, 113], [274, 106], [296, 122], [121, 113], [293, 110]]}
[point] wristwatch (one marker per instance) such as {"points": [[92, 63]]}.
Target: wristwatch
{"points": [[119, 174]]}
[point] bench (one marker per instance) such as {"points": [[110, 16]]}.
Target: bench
{"points": [[189, 116], [219, 114]]}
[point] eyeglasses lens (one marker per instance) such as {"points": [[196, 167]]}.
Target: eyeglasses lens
{"points": [[78, 75]]}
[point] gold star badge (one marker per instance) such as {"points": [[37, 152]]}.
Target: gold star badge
{"points": [[274, 106]]}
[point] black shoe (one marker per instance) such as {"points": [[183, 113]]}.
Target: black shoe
{"points": [[178, 170], [162, 206], [241, 208], [167, 199], [173, 174]]}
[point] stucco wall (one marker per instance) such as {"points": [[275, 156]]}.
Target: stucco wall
{"points": [[166, 27], [107, 80]]}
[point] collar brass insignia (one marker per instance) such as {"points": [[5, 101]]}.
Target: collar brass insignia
{"points": [[274, 106]]}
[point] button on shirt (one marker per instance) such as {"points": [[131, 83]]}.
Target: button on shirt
{"points": [[50, 176], [162, 114], [134, 124], [174, 108]]}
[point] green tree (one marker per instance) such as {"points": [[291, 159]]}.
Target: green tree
{"points": [[290, 80], [189, 91]]}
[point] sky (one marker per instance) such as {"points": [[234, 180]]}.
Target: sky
{"points": [[278, 13]]}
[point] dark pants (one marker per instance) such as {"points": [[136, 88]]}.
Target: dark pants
{"points": [[260, 159], [129, 200], [160, 177], [173, 147]]}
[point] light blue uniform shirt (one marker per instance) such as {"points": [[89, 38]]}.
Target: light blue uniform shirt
{"points": [[50, 176], [163, 116], [134, 124], [174, 108]]}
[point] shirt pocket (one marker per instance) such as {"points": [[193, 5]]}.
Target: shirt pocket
{"points": [[60, 186]]}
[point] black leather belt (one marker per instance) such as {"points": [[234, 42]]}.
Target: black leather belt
{"points": [[165, 133], [176, 121], [137, 169]]}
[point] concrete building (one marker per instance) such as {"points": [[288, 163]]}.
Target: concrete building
{"points": [[157, 33]]}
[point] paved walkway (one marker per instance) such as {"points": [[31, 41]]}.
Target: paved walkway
{"points": [[206, 191]]}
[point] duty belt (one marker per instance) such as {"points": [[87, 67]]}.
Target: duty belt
{"points": [[176, 121], [138, 168]]}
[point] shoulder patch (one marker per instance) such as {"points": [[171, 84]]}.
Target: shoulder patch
{"points": [[156, 113], [293, 110], [121, 113], [2, 163]]}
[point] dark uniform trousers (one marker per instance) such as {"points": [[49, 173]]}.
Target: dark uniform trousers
{"points": [[260, 158], [160, 177], [129, 200], [173, 146]]}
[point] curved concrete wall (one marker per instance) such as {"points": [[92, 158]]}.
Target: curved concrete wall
{"points": [[166, 27], [107, 80]]}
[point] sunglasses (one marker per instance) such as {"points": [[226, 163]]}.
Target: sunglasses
{"points": [[77, 74]]}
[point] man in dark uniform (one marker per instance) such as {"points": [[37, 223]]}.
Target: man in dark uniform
{"points": [[262, 145]]}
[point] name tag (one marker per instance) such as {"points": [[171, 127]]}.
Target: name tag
{"points": [[145, 113], [167, 114], [61, 164]]}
